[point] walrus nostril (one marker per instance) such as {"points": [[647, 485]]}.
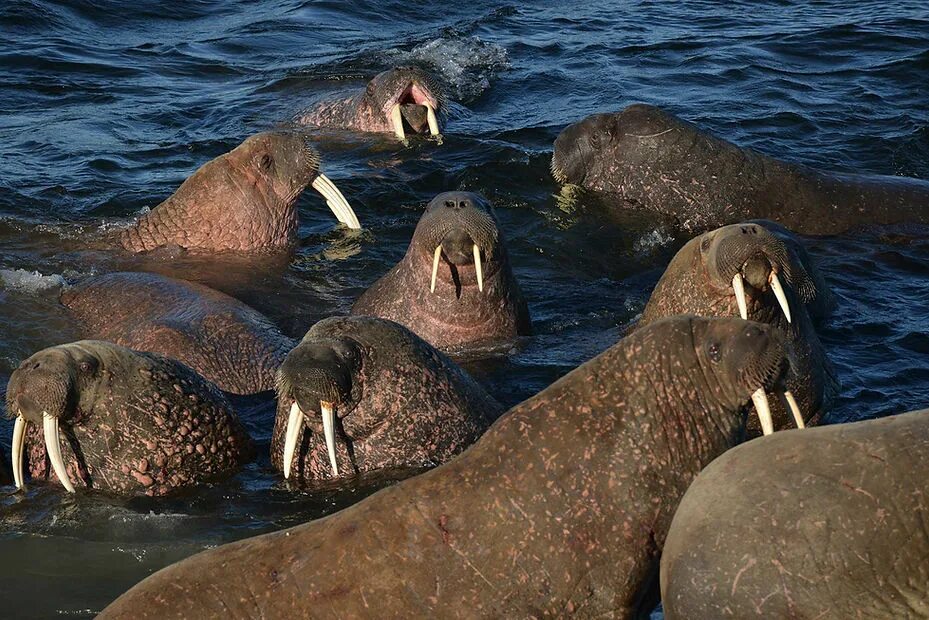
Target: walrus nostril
{"points": [[450, 204]]}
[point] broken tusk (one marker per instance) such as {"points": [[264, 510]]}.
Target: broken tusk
{"points": [[336, 201], [794, 408], [19, 440], [294, 426], [477, 268], [763, 410], [739, 289], [329, 432], [50, 428], [432, 120], [396, 120], [435, 266], [779, 293]]}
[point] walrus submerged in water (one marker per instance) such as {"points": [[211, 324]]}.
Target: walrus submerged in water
{"points": [[454, 287], [759, 271], [827, 523], [400, 100], [226, 341], [242, 201], [360, 394], [124, 422], [561, 507], [652, 160]]}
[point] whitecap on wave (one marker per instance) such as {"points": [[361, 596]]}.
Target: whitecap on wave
{"points": [[29, 281]]}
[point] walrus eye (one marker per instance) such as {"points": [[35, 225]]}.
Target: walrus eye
{"points": [[714, 353], [87, 367], [705, 244], [266, 162]]}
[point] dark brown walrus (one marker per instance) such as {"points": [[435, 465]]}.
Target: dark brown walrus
{"points": [[226, 341], [826, 523], [561, 508], [652, 160], [360, 394], [759, 271], [454, 287], [97, 415], [400, 100], [242, 201]]}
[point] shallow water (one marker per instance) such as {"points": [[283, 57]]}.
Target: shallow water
{"points": [[107, 106]]}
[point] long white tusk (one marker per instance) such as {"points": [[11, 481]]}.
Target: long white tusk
{"points": [[50, 427], [739, 289], [794, 408], [294, 426], [764, 411], [19, 440], [477, 268], [329, 432], [431, 118], [435, 266], [397, 121], [779, 293], [336, 201]]}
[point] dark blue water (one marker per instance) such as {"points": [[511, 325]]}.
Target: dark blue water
{"points": [[107, 106]]}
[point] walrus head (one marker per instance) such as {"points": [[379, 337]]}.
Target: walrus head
{"points": [[409, 99], [54, 386], [458, 235], [579, 145], [741, 358], [321, 377]]}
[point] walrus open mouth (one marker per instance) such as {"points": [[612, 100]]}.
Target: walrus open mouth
{"points": [[414, 94]]}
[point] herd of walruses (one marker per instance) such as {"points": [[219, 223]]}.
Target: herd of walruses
{"points": [[586, 499]]}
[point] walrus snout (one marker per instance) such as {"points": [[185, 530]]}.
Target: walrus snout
{"points": [[43, 384]]}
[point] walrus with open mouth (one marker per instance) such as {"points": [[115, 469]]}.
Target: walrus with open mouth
{"points": [[759, 271], [454, 287], [651, 160], [561, 508], [242, 201], [108, 418], [360, 394], [402, 100], [227, 342]]}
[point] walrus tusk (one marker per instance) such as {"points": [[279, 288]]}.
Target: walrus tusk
{"points": [[779, 293], [50, 427], [435, 266], [740, 295], [329, 431], [19, 440], [764, 411], [477, 268], [794, 408], [397, 121], [433, 121], [336, 201], [294, 425]]}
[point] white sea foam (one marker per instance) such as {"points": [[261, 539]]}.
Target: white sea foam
{"points": [[465, 64], [29, 281]]}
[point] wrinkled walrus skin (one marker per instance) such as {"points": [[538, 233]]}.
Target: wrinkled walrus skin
{"points": [[226, 341], [130, 423], [829, 523], [243, 201], [699, 280], [397, 401], [561, 508], [458, 314], [650, 159]]}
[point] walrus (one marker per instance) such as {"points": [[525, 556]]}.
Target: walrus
{"points": [[454, 287], [650, 159], [759, 271], [120, 421], [560, 508], [825, 523], [400, 100], [360, 394], [242, 201], [224, 340]]}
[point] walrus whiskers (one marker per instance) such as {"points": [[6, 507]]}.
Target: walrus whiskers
{"points": [[19, 440], [50, 428], [294, 424], [435, 266], [329, 431], [477, 268], [779, 293], [336, 201], [763, 410], [739, 289]]}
